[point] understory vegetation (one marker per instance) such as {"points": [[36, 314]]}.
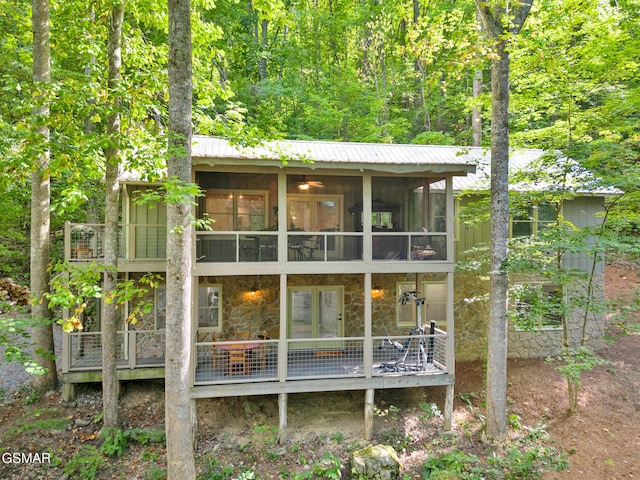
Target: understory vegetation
{"points": [[82, 449]]}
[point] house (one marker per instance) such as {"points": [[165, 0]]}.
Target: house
{"points": [[327, 267], [541, 179]]}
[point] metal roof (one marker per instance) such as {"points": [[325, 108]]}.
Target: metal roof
{"points": [[470, 166], [322, 154]]}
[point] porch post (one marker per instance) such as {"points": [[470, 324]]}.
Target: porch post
{"points": [[368, 413], [368, 340], [282, 419], [367, 244], [282, 342], [448, 409]]}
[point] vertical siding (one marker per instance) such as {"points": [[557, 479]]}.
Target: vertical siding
{"points": [[469, 237], [149, 221], [583, 212]]}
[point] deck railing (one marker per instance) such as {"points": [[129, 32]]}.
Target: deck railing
{"points": [[85, 242], [244, 361], [254, 361], [135, 349]]}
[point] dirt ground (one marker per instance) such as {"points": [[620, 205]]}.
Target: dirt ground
{"points": [[601, 441]]}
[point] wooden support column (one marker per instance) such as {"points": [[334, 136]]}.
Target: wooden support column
{"points": [[194, 423], [448, 409], [68, 392], [282, 419], [368, 413]]}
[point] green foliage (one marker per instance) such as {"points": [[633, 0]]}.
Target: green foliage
{"points": [[116, 440], [31, 398], [156, 473], [572, 363], [45, 424], [429, 411], [73, 286], [527, 463], [328, 467], [456, 464], [85, 464], [522, 461], [214, 471]]}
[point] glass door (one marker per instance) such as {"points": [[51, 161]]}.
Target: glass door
{"points": [[300, 314], [317, 213], [316, 313]]}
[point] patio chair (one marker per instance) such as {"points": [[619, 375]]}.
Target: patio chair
{"points": [[238, 360], [264, 336], [309, 246], [242, 335], [216, 353]]}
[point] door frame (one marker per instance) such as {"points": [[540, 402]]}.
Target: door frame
{"points": [[315, 313]]}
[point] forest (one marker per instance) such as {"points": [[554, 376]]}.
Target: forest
{"points": [[366, 71], [88, 90]]}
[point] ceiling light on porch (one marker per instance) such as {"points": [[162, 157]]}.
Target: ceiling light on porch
{"points": [[377, 292]]}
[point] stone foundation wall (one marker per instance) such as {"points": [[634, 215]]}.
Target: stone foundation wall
{"points": [[471, 314]]}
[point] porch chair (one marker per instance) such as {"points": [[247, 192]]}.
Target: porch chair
{"points": [[216, 353], [243, 335], [238, 359], [309, 246], [263, 336]]}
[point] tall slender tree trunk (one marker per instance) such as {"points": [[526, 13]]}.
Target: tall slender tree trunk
{"points": [[476, 113], [498, 22], [179, 408], [264, 45], [109, 313], [499, 227], [40, 203]]}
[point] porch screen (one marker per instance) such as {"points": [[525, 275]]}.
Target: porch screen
{"points": [[236, 210]]}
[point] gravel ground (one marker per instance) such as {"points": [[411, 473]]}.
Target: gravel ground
{"points": [[13, 375]]}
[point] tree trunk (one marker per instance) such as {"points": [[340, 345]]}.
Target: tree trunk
{"points": [[262, 62], [40, 203], [476, 114], [497, 22], [109, 312], [499, 225], [178, 406]]}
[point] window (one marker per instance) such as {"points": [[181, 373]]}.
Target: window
{"points": [[237, 210], [433, 308], [160, 307], [532, 219], [406, 313], [209, 308], [536, 305]]}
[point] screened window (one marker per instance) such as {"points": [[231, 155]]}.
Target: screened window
{"points": [[209, 308], [536, 305], [160, 307], [532, 219]]}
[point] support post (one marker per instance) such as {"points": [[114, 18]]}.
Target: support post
{"points": [[282, 419], [368, 413], [68, 392], [448, 408], [194, 424]]}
